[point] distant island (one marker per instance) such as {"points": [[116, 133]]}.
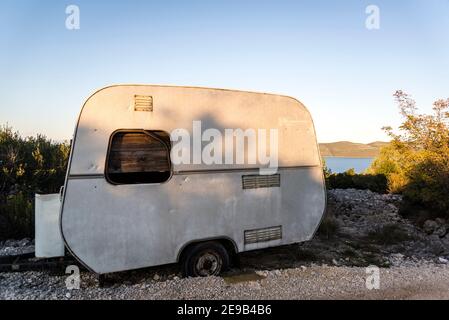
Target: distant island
{"points": [[351, 150]]}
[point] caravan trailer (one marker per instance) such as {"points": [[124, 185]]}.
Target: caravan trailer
{"points": [[128, 204]]}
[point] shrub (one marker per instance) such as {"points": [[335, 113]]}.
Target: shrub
{"points": [[28, 166], [351, 180], [18, 216], [329, 226], [389, 234], [416, 162]]}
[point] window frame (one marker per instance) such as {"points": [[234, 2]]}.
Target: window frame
{"points": [[148, 133]]}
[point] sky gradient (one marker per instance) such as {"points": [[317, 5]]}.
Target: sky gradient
{"points": [[317, 51]]}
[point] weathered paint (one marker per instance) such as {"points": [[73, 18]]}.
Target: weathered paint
{"points": [[113, 228], [49, 243]]}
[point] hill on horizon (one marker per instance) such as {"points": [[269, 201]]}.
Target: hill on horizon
{"points": [[351, 149]]}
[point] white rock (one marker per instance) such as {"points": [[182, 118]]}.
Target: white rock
{"points": [[262, 273], [254, 285], [443, 260]]}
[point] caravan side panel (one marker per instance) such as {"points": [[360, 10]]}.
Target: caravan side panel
{"points": [[113, 228]]}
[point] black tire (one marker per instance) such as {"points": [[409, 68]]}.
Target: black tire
{"points": [[205, 259]]}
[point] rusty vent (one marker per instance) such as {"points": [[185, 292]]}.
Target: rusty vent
{"points": [[143, 103], [259, 181], [263, 235]]}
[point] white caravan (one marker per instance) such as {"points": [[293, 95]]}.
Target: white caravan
{"points": [[128, 204]]}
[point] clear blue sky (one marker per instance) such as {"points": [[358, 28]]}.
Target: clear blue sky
{"points": [[318, 51]]}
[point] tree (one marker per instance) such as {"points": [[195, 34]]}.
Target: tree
{"points": [[416, 162]]}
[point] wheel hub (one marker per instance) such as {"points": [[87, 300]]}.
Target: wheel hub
{"points": [[208, 264]]}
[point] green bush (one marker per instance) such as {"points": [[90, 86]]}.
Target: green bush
{"points": [[351, 180], [416, 162], [28, 166], [389, 234], [18, 217]]}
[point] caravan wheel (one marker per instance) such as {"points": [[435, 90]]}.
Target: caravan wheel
{"points": [[205, 259]]}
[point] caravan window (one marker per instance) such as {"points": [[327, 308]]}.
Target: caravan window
{"points": [[139, 157]]}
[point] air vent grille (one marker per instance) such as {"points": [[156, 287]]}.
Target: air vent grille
{"points": [[143, 103], [259, 181], [263, 235]]}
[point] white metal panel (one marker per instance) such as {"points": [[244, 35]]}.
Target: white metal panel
{"points": [[112, 108], [120, 227], [114, 228], [49, 242]]}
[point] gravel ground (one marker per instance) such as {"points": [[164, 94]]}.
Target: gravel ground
{"points": [[413, 264], [11, 247], [313, 282]]}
